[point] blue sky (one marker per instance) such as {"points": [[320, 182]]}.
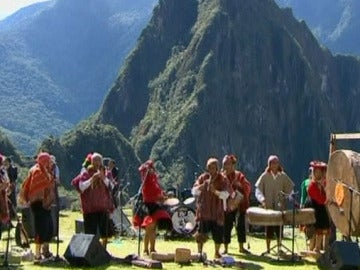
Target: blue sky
{"points": [[7, 7]]}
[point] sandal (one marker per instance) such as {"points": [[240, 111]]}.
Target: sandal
{"points": [[47, 255], [244, 251], [37, 260]]}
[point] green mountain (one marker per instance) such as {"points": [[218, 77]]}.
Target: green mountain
{"points": [[58, 60], [337, 27], [241, 77], [8, 149], [87, 137]]}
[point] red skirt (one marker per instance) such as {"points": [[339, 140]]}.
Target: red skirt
{"points": [[152, 212]]}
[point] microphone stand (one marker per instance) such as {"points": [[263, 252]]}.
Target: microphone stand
{"points": [[352, 190], [200, 169], [57, 258], [138, 206], [294, 258]]}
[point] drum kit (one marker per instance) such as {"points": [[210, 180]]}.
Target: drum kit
{"points": [[182, 214]]}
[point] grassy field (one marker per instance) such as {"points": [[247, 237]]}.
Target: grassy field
{"points": [[123, 246]]}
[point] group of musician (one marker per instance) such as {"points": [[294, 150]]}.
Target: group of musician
{"points": [[222, 198], [216, 191]]}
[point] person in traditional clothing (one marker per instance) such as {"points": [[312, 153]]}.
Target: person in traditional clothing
{"points": [[12, 173], [240, 187], [304, 188], [55, 169], [96, 202], [304, 203], [269, 188], [212, 190], [114, 173], [4, 189], [317, 195], [38, 191], [154, 215]]}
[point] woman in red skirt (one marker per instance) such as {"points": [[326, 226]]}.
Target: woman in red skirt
{"points": [[153, 215]]}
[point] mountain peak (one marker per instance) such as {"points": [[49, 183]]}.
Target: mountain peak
{"points": [[231, 76]]}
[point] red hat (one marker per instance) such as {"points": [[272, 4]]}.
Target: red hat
{"points": [[318, 164], [231, 158], [146, 165], [43, 159]]}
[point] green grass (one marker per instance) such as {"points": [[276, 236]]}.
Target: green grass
{"points": [[120, 247]]}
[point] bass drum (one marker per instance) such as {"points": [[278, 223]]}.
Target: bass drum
{"points": [[183, 220]]}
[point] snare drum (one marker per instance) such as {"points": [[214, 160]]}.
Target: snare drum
{"points": [[264, 217], [302, 216], [189, 201], [171, 202], [183, 220]]}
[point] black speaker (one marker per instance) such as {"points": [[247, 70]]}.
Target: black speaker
{"points": [[86, 250], [340, 256]]}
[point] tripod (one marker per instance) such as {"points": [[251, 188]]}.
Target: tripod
{"points": [[120, 196], [12, 210]]}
